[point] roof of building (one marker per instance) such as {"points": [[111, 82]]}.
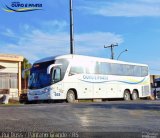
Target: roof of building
{"points": [[11, 57]]}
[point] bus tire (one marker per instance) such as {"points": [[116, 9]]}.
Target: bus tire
{"points": [[135, 95], [127, 96], [71, 96]]}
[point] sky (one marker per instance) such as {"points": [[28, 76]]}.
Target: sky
{"points": [[134, 25]]}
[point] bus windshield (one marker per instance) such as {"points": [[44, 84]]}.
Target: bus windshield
{"points": [[39, 78]]}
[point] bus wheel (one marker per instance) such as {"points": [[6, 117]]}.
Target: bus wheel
{"points": [[71, 96], [135, 95], [127, 95]]}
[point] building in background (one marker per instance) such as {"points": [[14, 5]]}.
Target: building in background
{"points": [[10, 74], [155, 85], [153, 78]]}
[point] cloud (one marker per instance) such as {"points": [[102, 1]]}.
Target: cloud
{"points": [[125, 8], [95, 41], [38, 43], [55, 24], [8, 32]]}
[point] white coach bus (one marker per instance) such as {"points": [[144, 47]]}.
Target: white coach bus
{"points": [[73, 77]]}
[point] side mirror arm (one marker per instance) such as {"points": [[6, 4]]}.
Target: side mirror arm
{"points": [[51, 66]]}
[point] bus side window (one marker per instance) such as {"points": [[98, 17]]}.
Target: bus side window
{"points": [[76, 70], [137, 71], [90, 67], [56, 75], [144, 71], [103, 68]]}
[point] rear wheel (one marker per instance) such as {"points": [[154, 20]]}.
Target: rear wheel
{"points": [[135, 95], [71, 96], [127, 95]]}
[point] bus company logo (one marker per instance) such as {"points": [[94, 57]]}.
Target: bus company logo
{"points": [[22, 7], [94, 78]]}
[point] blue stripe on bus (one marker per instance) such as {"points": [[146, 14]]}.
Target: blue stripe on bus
{"points": [[115, 81]]}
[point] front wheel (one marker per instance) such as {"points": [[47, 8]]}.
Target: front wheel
{"points": [[127, 95], [71, 96]]}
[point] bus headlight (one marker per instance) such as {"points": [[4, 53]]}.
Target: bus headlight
{"points": [[46, 90]]}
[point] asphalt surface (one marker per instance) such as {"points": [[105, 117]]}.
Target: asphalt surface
{"points": [[112, 116]]}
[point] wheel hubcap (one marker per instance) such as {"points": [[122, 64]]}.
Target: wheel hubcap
{"points": [[134, 96], [71, 97], [126, 96]]}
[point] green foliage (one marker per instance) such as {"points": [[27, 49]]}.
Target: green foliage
{"points": [[26, 65]]}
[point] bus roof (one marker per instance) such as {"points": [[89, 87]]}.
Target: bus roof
{"points": [[90, 58]]}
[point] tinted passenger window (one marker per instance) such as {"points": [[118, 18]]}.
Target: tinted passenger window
{"points": [[129, 70], [90, 67], [103, 68], [116, 69], [144, 71], [76, 70], [137, 71]]}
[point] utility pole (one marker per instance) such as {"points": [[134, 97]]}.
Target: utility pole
{"points": [[71, 29], [111, 47]]}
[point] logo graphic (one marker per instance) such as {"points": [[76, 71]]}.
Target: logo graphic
{"points": [[94, 78], [22, 7]]}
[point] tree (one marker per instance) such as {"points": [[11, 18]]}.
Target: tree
{"points": [[25, 65]]}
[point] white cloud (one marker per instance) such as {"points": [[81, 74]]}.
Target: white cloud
{"points": [[38, 44], [26, 27], [124, 8], [55, 24], [8, 32], [91, 42]]}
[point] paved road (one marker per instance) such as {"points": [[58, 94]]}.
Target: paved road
{"points": [[111, 116]]}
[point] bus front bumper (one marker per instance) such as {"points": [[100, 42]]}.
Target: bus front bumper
{"points": [[35, 97]]}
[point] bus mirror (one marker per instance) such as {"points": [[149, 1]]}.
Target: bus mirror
{"points": [[24, 71], [51, 66]]}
